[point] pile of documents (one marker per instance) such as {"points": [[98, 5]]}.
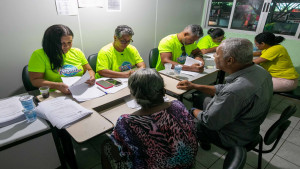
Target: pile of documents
{"points": [[80, 90], [61, 111], [11, 111]]}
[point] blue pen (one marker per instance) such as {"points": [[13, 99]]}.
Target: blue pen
{"points": [[101, 90]]}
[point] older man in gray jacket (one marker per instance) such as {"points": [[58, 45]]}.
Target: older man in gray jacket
{"points": [[234, 115]]}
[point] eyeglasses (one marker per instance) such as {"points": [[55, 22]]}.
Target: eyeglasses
{"points": [[183, 51], [125, 41]]}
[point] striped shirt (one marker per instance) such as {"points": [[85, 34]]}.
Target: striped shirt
{"points": [[239, 106]]}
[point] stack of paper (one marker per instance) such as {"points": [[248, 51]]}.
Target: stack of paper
{"points": [[11, 111], [80, 90], [61, 112]]}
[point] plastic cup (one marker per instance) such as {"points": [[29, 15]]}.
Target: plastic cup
{"points": [[30, 115], [27, 102], [177, 69], [168, 67], [44, 90]]}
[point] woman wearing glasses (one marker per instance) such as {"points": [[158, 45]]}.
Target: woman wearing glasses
{"points": [[210, 42], [57, 59], [117, 59]]}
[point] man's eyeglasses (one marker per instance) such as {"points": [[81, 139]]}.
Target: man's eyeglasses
{"points": [[183, 51], [125, 41]]}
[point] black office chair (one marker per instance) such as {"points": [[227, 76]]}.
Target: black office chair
{"points": [[295, 94], [235, 158], [26, 81], [153, 56], [92, 59], [273, 134]]}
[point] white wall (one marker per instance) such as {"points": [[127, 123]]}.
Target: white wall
{"points": [[23, 23]]}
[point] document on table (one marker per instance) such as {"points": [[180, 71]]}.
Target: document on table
{"points": [[131, 102], [61, 111], [209, 55], [188, 62], [80, 90], [11, 111]]}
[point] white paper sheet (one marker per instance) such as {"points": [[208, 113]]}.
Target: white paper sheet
{"points": [[190, 61], [90, 3], [10, 109], [190, 73], [61, 112], [66, 7], [80, 90], [131, 102], [114, 5], [210, 55]]}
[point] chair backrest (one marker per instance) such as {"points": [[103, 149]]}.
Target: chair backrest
{"points": [[277, 129], [26, 81], [92, 59], [235, 158], [153, 56]]}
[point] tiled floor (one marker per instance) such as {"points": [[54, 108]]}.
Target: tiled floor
{"points": [[286, 155]]}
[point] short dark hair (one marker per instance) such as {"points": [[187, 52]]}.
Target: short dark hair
{"points": [[215, 32], [268, 38], [52, 44]]}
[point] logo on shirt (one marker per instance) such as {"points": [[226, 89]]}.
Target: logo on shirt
{"points": [[68, 70], [181, 59], [125, 66]]}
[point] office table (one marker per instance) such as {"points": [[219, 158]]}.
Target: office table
{"points": [[23, 145], [209, 76], [89, 127], [119, 108]]}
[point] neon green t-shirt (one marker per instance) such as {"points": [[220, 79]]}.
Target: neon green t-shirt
{"points": [[109, 58], [74, 59], [207, 42], [173, 45], [279, 63]]}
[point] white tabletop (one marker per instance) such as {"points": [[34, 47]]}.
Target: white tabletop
{"points": [[120, 108], [21, 130]]}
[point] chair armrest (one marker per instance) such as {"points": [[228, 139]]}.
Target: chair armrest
{"points": [[235, 158]]}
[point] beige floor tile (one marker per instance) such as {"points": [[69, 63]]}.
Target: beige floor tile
{"points": [[252, 159], [294, 137], [280, 163], [290, 152], [207, 158]]}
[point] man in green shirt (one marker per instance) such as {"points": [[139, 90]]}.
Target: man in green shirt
{"points": [[176, 47], [117, 59]]}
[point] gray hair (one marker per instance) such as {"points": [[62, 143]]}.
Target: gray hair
{"points": [[194, 30], [123, 30], [147, 86], [238, 48]]}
